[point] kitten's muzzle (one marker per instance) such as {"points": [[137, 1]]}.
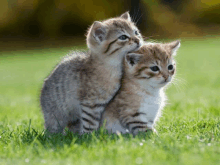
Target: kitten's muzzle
{"points": [[165, 81], [137, 41], [138, 45], [135, 49]]}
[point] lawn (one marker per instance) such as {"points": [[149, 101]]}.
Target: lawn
{"points": [[188, 131]]}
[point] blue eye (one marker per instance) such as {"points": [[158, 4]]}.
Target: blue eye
{"points": [[123, 37], [136, 32], [170, 67], [154, 68]]}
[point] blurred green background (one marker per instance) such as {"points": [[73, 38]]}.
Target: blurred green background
{"points": [[36, 34], [46, 23]]}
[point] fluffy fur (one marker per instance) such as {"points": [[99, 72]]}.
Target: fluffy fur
{"points": [[139, 102], [77, 91]]}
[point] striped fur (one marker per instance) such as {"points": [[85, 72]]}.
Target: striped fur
{"points": [[139, 102], [76, 92]]}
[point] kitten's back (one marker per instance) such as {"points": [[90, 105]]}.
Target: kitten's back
{"points": [[60, 88]]}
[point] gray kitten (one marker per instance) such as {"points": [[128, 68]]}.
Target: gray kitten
{"points": [[75, 94]]}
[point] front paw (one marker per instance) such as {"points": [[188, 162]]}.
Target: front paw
{"points": [[137, 130]]}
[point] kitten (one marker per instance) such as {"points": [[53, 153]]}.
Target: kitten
{"points": [[138, 103], [76, 92]]}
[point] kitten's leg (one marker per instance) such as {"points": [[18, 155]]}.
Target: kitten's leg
{"points": [[113, 125], [55, 119], [91, 117], [55, 122], [54, 116], [136, 123], [74, 126], [74, 123]]}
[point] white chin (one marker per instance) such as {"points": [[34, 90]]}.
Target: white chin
{"points": [[164, 84]]}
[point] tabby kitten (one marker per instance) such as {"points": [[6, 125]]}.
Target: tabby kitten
{"points": [[139, 102], [76, 92]]}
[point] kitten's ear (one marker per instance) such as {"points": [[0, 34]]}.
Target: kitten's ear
{"points": [[99, 31], [126, 16], [174, 46], [132, 58]]}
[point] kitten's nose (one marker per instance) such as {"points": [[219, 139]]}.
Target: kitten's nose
{"points": [[165, 77], [136, 40]]}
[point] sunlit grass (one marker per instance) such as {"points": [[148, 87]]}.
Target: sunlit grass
{"points": [[188, 131]]}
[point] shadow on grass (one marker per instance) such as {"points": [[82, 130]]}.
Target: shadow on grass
{"points": [[30, 135]]}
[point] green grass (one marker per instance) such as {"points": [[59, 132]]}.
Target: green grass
{"points": [[188, 131]]}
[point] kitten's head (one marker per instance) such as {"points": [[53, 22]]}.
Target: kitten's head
{"points": [[153, 64], [115, 36]]}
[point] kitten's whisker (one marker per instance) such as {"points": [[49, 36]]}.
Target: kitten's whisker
{"points": [[180, 80], [139, 19], [179, 83], [176, 86], [134, 15], [133, 18], [137, 14]]}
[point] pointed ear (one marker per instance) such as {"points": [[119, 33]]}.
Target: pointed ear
{"points": [[99, 31], [132, 59], [174, 46], [126, 16]]}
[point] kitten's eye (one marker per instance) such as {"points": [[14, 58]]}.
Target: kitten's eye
{"points": [[154, 68], [123, 37], [136, 32], [170, 67]]}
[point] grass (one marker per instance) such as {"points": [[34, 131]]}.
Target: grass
{"points": [[188, 131]]}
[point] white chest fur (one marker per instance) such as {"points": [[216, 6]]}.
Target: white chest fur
{"points": [[151, 106]]}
